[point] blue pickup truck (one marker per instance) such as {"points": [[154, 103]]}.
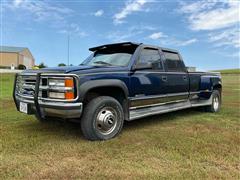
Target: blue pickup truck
{"points": [[116, 83]]}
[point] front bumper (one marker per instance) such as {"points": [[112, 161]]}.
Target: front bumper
{"points": [[45, 108], [53, 109]]}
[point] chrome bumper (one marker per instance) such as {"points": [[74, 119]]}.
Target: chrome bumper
{"points": [[54, 109]]}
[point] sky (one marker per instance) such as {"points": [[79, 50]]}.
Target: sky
{"points": [[206, 33]]}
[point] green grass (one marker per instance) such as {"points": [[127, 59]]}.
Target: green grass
{"points": [[229, 71], [6, 86], [188, 144]]}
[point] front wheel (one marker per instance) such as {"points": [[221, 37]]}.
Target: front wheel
{"points": [[216, 102], [102, 118]]}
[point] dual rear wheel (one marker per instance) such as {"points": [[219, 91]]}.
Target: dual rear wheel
{"points": [[216, 102]]}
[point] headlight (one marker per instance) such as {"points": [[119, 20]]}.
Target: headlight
{"points": [[56, 95], [56, 82], [61, 88]]}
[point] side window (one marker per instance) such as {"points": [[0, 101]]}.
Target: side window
{"points": [[150, 56], [173, 62]]}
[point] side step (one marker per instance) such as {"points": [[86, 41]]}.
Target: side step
{"points": [[143, 112], [148, 111]]}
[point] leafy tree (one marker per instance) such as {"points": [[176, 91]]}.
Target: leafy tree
{"points": [[61, 64], [42, 65], [21, 66]]}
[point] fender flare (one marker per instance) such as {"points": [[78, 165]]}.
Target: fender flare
{"points": [[216, 82], [209, 82], [87, 86]]}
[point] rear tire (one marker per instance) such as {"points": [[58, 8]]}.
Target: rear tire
{"points": [[102, 119], [216, 102]]}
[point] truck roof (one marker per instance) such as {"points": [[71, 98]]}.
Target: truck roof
{"points": [[114, 45], [129, 44]]}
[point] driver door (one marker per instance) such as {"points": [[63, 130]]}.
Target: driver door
{"points": [[148, 80]]}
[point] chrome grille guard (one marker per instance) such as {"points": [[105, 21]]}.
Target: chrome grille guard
{"points": [[36, 88]]}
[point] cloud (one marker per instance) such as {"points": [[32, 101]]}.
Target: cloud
{"points": [[177, 42], [43, 11], [149, 28], [196, 6], [73, 30], [220, 19], [157, 35], [17, 2], [130, 33], [170, 41], [99, 13], [40, 10], [187, 42], [211, 15], [130, 7], [228, 37], [119, 36], [142, 27]]}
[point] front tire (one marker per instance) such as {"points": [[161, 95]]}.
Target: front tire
{"points": [[102, 118], [216, 102]]}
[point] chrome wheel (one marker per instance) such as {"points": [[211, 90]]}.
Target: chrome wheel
{"points": [[106, 120], [215, 103]]}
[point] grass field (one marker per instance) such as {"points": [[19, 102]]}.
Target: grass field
{"points": [[229, 71], [188, 144]]}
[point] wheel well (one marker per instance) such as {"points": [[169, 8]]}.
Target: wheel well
{"points": [[217, 87], [114, 92]]}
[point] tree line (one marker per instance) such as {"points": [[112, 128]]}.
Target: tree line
{"points": [[43, 65]]}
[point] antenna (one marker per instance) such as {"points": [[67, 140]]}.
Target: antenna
{"points": [[68, 39]]}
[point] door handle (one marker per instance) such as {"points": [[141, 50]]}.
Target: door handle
{"points": [[164, 78], [185, 78]]}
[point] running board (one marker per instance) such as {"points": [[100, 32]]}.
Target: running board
{"points": [[149, 111], [143, 112]]}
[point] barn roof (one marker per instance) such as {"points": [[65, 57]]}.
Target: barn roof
{"points": [[11, 49]]}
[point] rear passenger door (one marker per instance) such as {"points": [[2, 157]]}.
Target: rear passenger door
{"points": [[177, 77]]}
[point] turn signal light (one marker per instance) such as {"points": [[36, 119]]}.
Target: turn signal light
{"points": [[69, 95], [69, 83]]}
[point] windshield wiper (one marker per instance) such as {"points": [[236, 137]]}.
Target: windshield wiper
{"points": [[102, 62]]}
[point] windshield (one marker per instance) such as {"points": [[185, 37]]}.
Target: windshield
{"points": [[110, 57]]}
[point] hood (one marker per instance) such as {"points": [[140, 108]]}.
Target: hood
{"points": [[67, 69], [77, 69], [63, 69]]}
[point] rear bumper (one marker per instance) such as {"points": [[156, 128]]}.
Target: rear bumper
{"points": [[53, 109]]}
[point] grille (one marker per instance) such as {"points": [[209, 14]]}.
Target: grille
{"points": [[25, 85]]}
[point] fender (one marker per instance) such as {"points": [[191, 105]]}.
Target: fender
{"points": [[208, 82], [85, 87], [216, 82]]}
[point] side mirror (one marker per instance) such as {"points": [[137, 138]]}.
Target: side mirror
{"points": [[143, 66]]}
